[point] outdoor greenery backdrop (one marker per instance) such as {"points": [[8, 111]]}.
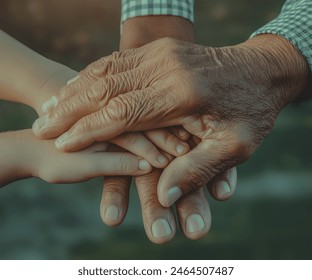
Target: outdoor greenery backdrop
{"points": [[268, 218]]}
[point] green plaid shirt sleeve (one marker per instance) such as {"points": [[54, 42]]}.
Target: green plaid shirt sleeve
{"points": [[135, 8], [295, 24]]}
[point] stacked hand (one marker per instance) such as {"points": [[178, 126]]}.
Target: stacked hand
{"points": [[193, 210]]}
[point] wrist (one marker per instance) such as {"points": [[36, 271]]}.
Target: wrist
{"points": [[284, 68], [58, 77], [17, 156], [139, 31]]}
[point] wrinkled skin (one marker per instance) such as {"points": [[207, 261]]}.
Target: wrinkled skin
{"points": [[228, 98], [193, 211]]}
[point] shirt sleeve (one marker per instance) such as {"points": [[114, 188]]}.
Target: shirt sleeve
{"points": [[295, 24], [135, 8]]}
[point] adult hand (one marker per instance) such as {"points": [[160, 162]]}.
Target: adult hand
{"points": [[228, 97], [193, 211]]}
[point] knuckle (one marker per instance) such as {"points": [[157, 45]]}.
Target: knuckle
{"points": [[117, 109], [199, 175], [150, 202], [105, 89], [117, 55], [95, 69], [60, 112], [90, 74], [96, 92], [241, 150], [111, 67], [111, 86], [115, 187], [241, 147]]}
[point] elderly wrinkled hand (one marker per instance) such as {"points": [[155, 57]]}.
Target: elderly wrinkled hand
{"points": [[228, 98]]}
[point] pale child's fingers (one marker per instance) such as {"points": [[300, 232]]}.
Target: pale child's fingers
{"points": [[77, 167], [98, 147], [159, 222], [109, 163], [167, 141], [223, 186], [115, 199], [194, 214], [180, 132], [138, 144]]}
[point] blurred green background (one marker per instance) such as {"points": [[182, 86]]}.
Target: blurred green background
{"points": [[268, 218]]}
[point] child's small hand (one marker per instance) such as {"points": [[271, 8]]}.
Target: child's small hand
{"points": [[27, 156], [158, 146]]}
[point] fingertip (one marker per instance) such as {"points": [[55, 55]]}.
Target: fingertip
{"points": [[162, 231], [110, 215], [224, 185], [159, 222], [222, 189], [39, 126], [144, 165], [196, 226], [183, 134], [49, 104], [168, 197], [61, 142], [182, 149], [114, 202], [194, 215], [162, 161]]}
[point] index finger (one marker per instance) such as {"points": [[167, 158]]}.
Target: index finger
{"points": [[132, 111]]}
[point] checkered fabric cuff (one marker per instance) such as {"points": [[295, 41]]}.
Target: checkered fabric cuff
{"points": [[135, 8], [295, 24]]}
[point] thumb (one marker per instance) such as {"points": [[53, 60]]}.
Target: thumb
{"points": [[192, 171]]}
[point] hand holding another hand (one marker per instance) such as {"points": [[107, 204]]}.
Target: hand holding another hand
{"points": [[227, 97]]}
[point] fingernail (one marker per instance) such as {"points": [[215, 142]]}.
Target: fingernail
{"points": [[40, 123], [182, 132], [144, 165], [173, 195], [161, 228], [232, 177], [112, 213], [222, 189], [194, 223], [180, 149], [72, 80], [61, 140], [48, 105], [162, 159]]}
